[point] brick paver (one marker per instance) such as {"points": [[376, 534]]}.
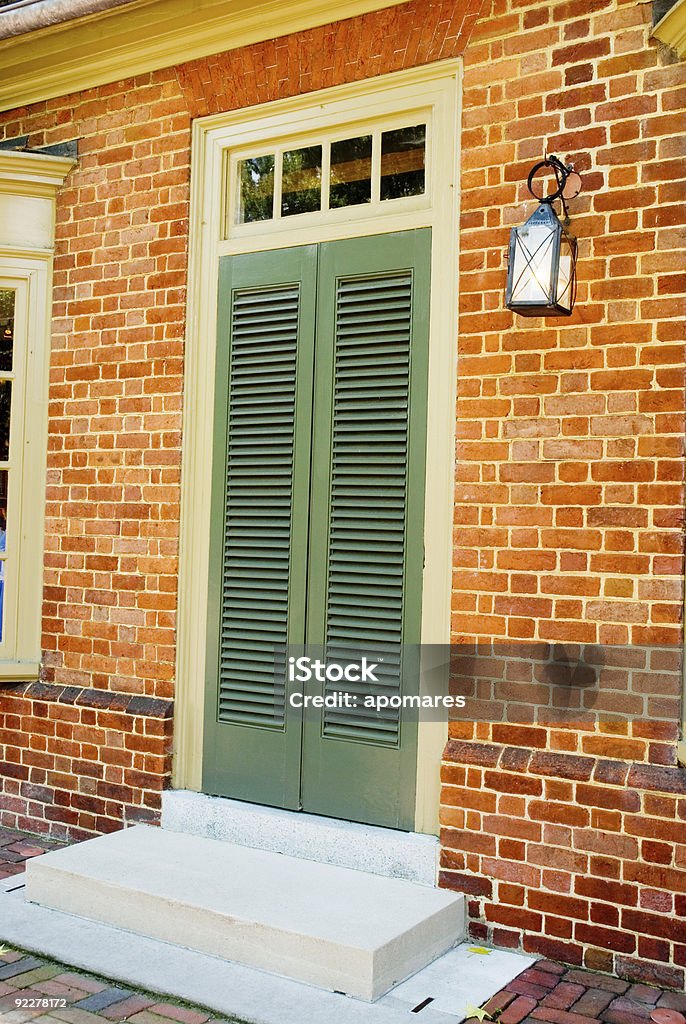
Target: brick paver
{"points": [[572, 996], [17, 847], [71, 997], [546, 993]]}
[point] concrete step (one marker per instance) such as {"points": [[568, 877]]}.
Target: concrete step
{"points": [[339, 929], [378, 851]]}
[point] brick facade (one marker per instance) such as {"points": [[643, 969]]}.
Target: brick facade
{"points": [[569, 521], [569, 491]]}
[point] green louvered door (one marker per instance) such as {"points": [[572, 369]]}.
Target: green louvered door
{"points": [[258, 547], [367, 517], [318, 506]]}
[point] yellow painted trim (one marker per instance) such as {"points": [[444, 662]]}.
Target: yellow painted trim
{"points": [[19, 671], [32, 174], [434, 89], [148, 35], [672, 28], [28, 185]]}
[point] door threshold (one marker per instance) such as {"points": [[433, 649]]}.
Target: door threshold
{"points": [[348, 844]]}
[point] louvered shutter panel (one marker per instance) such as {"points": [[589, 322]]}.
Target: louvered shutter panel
{"points": [[259, 491], [258, 556], [366, 548], [373, 330]]}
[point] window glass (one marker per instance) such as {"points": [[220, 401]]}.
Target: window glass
{"points": [[256, 176], [361, 169], [5, 405], [3, 545], [7, 298], [351, 172], [403, 158], [301, 187]]}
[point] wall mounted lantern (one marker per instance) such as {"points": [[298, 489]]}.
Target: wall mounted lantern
{"points": [[541, 272]]}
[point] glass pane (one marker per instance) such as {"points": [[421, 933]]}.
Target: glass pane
{"points": [[351, 172], [301, 186], [5, 405], [2, 599], [532, 264], [7, 298], [403, 162], [3, 543], [256, 176], [565, 280]]}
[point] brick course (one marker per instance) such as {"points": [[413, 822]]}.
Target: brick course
{"points": [[79, 761], [569, 466]]}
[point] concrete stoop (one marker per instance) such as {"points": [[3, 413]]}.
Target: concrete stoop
{"points": [[340, 929]]}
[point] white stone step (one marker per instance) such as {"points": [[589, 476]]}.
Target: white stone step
{"points": [[378, 851], [339, 929]]}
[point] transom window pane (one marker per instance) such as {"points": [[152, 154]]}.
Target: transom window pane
{"points": [[351, 172], [301, 187], [403, 158], [256, 176], [7, 300], [332, 175]]}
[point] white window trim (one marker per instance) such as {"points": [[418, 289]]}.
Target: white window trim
{"points": [[435, 91], [28, 186]]}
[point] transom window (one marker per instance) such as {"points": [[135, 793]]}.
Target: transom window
{"points": [[371, 168]]}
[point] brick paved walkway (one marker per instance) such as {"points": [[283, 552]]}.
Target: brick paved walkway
{"points": [[33, 989], [556, 994], [17, 847], [547, 992]]}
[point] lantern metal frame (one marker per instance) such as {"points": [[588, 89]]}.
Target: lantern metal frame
{"points": [[545, 215]]}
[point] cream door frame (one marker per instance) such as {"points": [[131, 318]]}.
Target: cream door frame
{"points": [[434, 90]]}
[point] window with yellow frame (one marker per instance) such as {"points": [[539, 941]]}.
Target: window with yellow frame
{"points": [[29, 181]]}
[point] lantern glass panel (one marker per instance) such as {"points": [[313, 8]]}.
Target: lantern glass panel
{"points": [[565, 275], [532, 271]]}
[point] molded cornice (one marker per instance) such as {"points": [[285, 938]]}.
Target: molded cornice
{"points": [[148, 35], [672, 28]]}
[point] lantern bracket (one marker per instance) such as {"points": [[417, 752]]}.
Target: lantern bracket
{"points": [[562, 172]]}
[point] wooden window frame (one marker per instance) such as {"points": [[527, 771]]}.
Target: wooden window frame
{"points": [[28, 187], [430, 93], [327, 217]]}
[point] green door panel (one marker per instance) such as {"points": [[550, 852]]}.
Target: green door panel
{"points": [[317, 520], [258, 547], [367, 517]]}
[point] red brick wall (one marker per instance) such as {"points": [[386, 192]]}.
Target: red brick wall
{"points": [[569, 522], [77, 764], [116, 391], [78, 761], [569, 497], [570, 459]]}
